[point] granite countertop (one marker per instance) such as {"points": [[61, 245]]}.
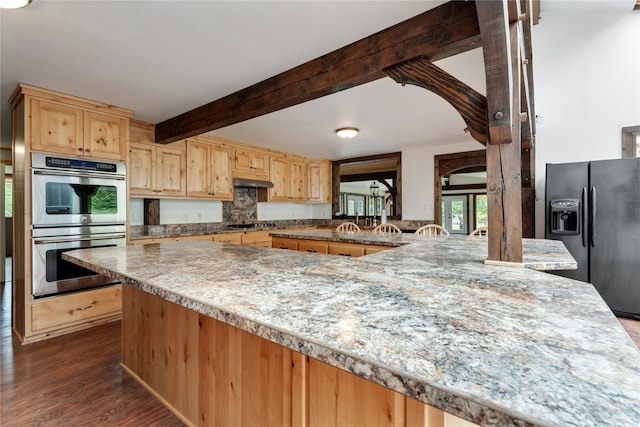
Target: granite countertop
{"points": [[538, 254], [493, 345]]}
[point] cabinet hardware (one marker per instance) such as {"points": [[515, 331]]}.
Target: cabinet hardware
{"points": [[84, 308]]}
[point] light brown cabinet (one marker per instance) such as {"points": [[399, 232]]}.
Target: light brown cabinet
{"points": [[69, 310], [319, 181], [65, 125], [325, 247], [217, 374], [157, 171], [257, 238], [289, 177], [233, 238], [67, 129], [313, 246], [209, 171], [251, 164]]}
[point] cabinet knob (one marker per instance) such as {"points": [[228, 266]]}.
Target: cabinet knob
{"points": [[79, 148], [88, 150]]}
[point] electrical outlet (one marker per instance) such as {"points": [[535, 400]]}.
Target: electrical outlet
{"points": [[185, 216], [136, 217], [199, 215]]}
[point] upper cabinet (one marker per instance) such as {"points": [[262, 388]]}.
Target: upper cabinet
{"points": [[76, 127], [209, 169], [289, 177], [319, 181], [155, 170], [251, 164]]}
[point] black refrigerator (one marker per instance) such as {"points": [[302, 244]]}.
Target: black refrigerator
{"points": [[594, 208]]}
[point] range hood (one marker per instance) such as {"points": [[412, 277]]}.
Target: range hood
{"points": [[254, 183]]}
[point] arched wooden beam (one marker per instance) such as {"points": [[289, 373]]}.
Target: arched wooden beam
{"points": [[471, 104]]}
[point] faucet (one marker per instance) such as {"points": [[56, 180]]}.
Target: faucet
{"points": [[356, 217]]}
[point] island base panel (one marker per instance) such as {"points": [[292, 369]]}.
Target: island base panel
{"points": [[210, 373]]}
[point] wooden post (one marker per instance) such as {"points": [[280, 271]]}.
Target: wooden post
{"points": [[501, 45]]}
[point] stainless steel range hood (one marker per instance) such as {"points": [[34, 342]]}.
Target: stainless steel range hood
{"points": [[254, 183]]}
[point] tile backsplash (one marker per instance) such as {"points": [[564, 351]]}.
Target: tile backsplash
{"points": [[243, 208]]}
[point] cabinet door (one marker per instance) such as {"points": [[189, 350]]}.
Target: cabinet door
{"points": [[233, 238], [198, 164], [105, 136], [67, 310], [346, 249], [221, 171], [284, 243], [251, 164], [319, 182], [260, 163], [56, 128], [313, 246], [142, 169], [297, 181], [170, 180], [280, 177]]}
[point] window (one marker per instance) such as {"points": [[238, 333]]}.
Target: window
{"points": [[482, 214], [8, 193], [631, 141], [357, 175]]}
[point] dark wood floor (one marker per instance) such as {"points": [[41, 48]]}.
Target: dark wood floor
{"points": [[76, 380]]}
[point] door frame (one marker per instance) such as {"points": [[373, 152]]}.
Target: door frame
{"points": [[444, 164], [465, 211]]}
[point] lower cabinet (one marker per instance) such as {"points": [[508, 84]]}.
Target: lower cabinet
{"points": [[210, 373], [257, 238], [346, 249], [281, 243], [72, 310], [313, 246], [234, 238], [325, 247]]}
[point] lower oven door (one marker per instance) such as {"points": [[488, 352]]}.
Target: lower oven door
{"points": [[53, 276]]}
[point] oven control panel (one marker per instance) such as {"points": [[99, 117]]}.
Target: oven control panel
{"points": [[59, 162]]}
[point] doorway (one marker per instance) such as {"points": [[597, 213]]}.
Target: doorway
{"points": [[455, 214]]}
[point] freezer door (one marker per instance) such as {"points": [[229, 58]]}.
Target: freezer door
{"points": [[615, 242], [569, 181]]}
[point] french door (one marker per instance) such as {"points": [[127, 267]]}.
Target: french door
{"points": [[455, 214]]}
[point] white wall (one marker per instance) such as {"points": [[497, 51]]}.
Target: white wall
{"points": [[279, 211], [178, 211], [417, 178], [586, 63], [199, 211], [587, 87]]}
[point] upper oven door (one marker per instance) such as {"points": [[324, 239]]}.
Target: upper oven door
{"points": [[79, 198]]}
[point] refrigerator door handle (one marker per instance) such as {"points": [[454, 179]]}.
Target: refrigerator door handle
{"points": [[593, 217], [583, 215]]}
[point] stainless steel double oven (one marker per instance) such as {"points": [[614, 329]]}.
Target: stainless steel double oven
{"points": [[76, 204]]}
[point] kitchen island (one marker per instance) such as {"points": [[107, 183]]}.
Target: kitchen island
{"points": [[273, 337]]}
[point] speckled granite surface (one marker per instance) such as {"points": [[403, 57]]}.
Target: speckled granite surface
{"points": [[494, 345], [538, 254]]}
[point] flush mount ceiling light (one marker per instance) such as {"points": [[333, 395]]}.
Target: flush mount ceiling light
{"points": [[347, 133], [13, 4]]}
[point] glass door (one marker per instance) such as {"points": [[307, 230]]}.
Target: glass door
{"points": [[454, 214]]}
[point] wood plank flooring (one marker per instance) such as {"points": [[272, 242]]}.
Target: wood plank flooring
{"points": [[73, 380], [76, 379]]}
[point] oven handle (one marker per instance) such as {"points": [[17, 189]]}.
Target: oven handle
{"points": [[79, 239], [78, 174]]}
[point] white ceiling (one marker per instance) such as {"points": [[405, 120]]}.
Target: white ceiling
{"points": [[163, 58]]}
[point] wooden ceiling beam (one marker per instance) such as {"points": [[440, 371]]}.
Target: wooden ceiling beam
{"points": [[471, 104], [444, 31]]}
